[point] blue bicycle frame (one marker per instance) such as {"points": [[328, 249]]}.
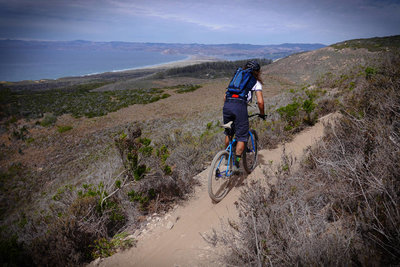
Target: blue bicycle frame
{"points": [[228, 171]]}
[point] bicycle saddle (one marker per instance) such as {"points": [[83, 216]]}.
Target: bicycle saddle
{"points": [[227, 125]]}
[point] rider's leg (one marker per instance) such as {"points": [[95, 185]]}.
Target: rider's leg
{"points": [[239, 148], [226, 141]]}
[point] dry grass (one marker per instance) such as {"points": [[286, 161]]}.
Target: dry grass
{"points": [[342, 207]]}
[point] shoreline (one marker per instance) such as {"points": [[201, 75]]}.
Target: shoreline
{"points": [[136, 68], [189, 60]]}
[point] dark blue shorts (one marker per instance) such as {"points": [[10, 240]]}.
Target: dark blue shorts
{"points": [[236, 111]]}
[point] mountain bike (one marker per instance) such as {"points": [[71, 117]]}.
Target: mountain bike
{"points": [[219, 177]]}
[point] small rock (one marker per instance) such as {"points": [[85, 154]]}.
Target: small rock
{"points": [[169, 225], [97, 261], [137, 233]]}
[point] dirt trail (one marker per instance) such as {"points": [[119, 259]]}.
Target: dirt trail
{"points": [[182, 245]]}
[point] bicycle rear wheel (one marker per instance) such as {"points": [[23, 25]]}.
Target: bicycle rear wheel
{"points": [[218, 177], [250, 152]]}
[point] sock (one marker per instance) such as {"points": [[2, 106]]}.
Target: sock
{"points": [[237, 161]]}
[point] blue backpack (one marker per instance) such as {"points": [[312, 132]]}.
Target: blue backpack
{"points": [[241, 83]]}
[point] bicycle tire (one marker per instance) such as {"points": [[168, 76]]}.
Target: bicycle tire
{"points": [[218, 186], [250, 152]]}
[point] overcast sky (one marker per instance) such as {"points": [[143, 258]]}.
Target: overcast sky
{"points": [[199, 21]]}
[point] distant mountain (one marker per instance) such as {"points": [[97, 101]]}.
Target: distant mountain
{"points": [[217, 50]]}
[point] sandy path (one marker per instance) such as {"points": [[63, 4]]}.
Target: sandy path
{"points": [[183, 245]]}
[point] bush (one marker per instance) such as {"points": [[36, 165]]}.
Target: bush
{"points": [[48, 120], [290, 113], [309, 106], [188, 88], [104, 247], [64, 128]]}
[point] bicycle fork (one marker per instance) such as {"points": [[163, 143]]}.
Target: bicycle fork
{"points": [[225, 173]]}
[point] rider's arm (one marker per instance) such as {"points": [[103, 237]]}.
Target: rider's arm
{"points": [[260, 102]]}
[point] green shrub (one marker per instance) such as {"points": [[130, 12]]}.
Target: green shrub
{"points": [[104, 247], [309, 106], [369, 72], [139, 172], [188, 88], [138, 197], [64, 128], [146, 150], [48, 120], [352, 86], [290, 113], [167, 170], [163, 153], [145, 141]]}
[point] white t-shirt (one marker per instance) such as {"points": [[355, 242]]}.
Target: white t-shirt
{"points": [[256, 87]]}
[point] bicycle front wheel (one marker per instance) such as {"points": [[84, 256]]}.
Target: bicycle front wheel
{"points": [[250, 152], [218, 177]]}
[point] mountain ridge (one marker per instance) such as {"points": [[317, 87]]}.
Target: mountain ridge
{"points": [[233, 49]]}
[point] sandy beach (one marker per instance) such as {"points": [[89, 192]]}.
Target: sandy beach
{"points": [[190, 60]]}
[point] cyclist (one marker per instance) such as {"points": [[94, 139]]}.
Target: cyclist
{"points": [[235, 109]]}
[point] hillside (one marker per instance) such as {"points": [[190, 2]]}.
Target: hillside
{"points": [[306, 68], [75, 183]]}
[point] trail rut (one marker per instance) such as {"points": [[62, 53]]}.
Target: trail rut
{"points": [[183, 245]]}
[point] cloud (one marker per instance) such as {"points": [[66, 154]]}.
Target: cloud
{"points": [[215, 21], [192, 12]]}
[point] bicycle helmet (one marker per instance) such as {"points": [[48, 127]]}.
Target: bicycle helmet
{"points": [[253, 65]]}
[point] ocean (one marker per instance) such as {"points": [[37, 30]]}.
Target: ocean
{"points": [[17, 64]]}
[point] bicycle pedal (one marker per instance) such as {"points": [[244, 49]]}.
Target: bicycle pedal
{"points": [[218, 173]]}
